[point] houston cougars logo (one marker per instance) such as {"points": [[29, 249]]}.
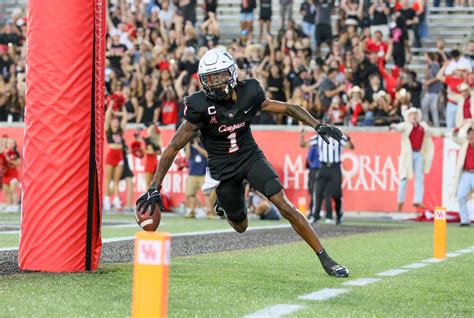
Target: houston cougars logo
{"points": [[230, 129]]}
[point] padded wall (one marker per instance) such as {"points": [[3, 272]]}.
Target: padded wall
{"points": [[61, 205]]}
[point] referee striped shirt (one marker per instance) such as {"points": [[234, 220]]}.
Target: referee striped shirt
{"points": [[328, 153]]}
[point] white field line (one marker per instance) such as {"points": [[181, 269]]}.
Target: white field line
{"points": [[328, 293], [432, 260], [453, 254], [324, 294], [197, 233], [416, 265], [276, 311], [463, 251], [131, 225], [392, 272], [361, 281]]}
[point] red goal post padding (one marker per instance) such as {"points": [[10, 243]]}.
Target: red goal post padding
{"points": [[63, 144]]}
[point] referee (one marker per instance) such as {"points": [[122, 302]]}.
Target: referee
{"points": [[329, 176]]}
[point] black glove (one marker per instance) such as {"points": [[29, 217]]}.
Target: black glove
{"points": [[328, 131], [148, 201]]}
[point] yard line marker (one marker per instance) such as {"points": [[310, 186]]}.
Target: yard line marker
{"points": [[416, 265], [276, 311], [432, 260], [452, 254], [324, 294], [392, 272], [361, 281]]}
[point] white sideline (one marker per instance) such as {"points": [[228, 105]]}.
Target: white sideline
{"points": [[361, 281], [392, 272], [416, 265], [324, 294], [197, 233], [432, 260], [452, 254], [275, 311]]}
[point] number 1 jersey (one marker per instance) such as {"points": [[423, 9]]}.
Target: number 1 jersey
{"points": [[225, 128]]}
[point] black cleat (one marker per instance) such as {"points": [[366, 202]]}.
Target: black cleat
{"points": [[219, 209], [337, 271], [331, 267]]}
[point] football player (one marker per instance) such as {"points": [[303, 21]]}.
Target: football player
{"points": [[222, 112]]}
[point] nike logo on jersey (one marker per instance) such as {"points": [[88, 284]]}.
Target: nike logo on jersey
{"points": [[247, 110]]}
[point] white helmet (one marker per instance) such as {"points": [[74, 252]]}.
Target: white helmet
{"points": [[217, 73]]}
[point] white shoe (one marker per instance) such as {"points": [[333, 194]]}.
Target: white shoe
{"points": [[106, 206], [117, 203], [330, 221]]}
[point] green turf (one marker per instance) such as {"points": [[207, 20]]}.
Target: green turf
{"points": [[233, 284], [171, 224]]}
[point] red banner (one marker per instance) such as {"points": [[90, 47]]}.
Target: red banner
{"points": [[370, 171]]}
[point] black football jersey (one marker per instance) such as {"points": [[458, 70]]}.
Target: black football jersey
{"points": [[225, 127]]}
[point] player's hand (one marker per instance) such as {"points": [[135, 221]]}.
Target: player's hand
{"points": [[328, 131], [148, 201]]}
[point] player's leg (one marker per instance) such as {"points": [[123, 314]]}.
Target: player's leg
{"points": [[116, 177], [322, 180], [6, 191], [230, 197], [264, 179]]}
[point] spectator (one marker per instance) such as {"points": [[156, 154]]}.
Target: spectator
{"points": [[328, 88], [148, 111], [261, 208], [411, 21], [265, 20], [464, 172], [210, 6], [169, 107], [470, 52], [10, 178], [246, 18], [196, 156], [452, 82], [324, 9], [286, 8], [187, 9], [308, 11], [153, 145], [458, 61], [465, 107], [413, 87], [115, 125], [416, 154], [379, 17], [433, 88], [399, 48], [355, 104]]}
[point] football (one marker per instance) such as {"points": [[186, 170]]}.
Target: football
{"points": [[147, 222]]}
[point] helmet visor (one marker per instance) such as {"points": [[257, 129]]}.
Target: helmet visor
{"points": [[215, 80]]}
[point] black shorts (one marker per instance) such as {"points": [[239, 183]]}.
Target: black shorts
{"points": [[265, 15], [231, 192], [323, 34]]}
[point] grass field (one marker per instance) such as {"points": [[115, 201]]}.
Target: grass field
{"points": [[234, 284]]}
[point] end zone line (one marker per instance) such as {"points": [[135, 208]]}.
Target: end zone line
{"points": [[196, 233]]}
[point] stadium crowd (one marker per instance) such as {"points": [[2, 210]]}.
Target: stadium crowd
{"points": [[153, 49]]}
